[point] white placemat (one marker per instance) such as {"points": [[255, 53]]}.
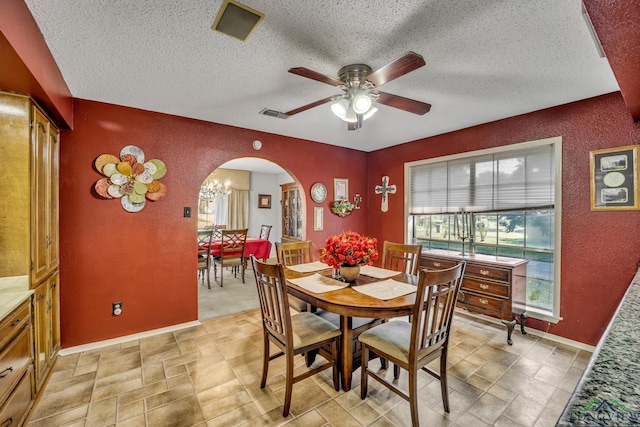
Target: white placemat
{"points": [[377, 272], [309, 267], [318, 283], [385, 289]]}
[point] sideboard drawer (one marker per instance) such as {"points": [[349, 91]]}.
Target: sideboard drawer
{"points": [[14, 361], [437, 264], [482, 304], [13, 323], [487, 272], [486, 286]]}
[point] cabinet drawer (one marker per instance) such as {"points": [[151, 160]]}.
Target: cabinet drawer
{"points": [[13, 323], [14, 360], [487, 272], [480, 304], [500, 290], [437, 264], [15, 409]]}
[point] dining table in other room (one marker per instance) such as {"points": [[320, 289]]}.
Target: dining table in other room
{"points": [[349, 303], [260, 248]]}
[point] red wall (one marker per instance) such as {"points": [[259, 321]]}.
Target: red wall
{"points": [[600, 250], [147, 259]]}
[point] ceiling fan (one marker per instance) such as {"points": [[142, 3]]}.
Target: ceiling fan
{"points": [[359, 84]]}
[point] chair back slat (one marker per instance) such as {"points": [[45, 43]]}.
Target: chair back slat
{"points": [[293, 253], [272, 294], [400, 257], [204, 242], [233, 242], [431, 322]]}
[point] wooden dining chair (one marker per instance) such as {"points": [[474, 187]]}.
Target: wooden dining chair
{"points": [[204, 255], [400, 257], [293, 253], [231, 253], [412, 345], [292, 334], [265, 231]]}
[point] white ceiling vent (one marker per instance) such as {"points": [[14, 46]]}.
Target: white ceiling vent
{"points": [[237, 20]]}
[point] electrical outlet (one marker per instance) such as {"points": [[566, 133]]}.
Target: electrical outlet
{"points": [[186, 212], [116, 308]]}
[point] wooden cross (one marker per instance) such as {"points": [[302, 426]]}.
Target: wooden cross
{"points": [[385, 189]]}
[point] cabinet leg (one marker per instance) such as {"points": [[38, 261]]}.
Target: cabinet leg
{"points": [[523, 320], [510, 325]]}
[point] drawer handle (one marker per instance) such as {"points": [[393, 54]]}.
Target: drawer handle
{"points": [[484, 286], [436, 264], [484, 301], [6, 372], [8, 422], [16, 322], [485, 272], [40, 297]]}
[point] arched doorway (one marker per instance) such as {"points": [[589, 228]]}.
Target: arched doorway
{"points": [[265, 179]]}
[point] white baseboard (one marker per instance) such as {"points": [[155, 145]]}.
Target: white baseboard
{"points": [[120, 340], [531, 331]]}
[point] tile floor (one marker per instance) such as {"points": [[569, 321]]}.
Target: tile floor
{"points": [[209, 375]]}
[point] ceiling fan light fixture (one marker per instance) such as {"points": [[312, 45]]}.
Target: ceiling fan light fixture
{"points": [[369, 113], [340, 108], [361, 103]]}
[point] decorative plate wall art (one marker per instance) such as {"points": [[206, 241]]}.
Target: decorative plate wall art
{"points": [[130, 179]]}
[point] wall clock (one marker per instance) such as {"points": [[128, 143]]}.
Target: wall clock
{"points": [[318, 192]]}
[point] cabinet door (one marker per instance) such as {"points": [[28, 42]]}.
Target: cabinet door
{"points": [[41, 332], [51, 241], [39, 188], [54, 316]]}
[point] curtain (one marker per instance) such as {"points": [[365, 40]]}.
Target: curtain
{"points": [[238, 209]]}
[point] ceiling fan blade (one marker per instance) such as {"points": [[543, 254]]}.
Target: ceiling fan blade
{"points": [[402, 103], [395, 69], [314, 75], [309, 106]]}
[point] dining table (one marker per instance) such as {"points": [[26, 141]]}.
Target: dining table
{"points": [[260, 248], [352, 300]]}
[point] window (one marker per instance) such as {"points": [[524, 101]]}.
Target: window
{"points": [[514, 200]]}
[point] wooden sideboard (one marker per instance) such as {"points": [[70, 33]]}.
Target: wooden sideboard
{"points": [[493, 286]]}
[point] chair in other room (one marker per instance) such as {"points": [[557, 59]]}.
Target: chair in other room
{"points": [[293, 253], [231, 253], [412, 345], [265, 231], [217, 231], [292, 334], [204, 255], [400, 257]]}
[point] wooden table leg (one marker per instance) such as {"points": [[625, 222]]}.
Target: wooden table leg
{"points": [[346, 355]]}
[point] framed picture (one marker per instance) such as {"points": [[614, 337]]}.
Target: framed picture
{"points": [[614, 179], [318, 218], [264, 201], [340, 188]]}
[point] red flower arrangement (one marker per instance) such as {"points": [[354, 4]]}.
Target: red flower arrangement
{"points": [[349, 248]]}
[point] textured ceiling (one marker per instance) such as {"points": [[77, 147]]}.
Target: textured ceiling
{"points": [[485, 60]]}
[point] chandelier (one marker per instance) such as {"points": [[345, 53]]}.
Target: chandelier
{"points": [[214, 189]]}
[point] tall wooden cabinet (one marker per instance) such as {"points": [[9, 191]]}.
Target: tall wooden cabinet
{"points": [[29, 149], [292, 215]]}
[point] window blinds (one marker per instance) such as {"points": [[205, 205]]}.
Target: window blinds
{"points": [[508, 180]]}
